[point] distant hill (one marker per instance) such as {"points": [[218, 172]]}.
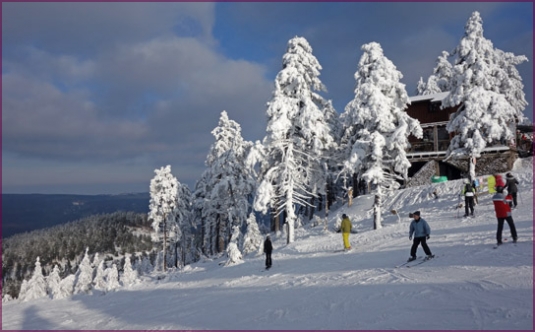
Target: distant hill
{"points": [[27, 212]]}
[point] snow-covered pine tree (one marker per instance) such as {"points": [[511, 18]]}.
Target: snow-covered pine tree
{"points": [[129, 276], [298, 135], [487, 89], [185, 222], [53, 282], [421, 87], [145, 265], [66, 286], [252, 240], [100, 282], [222, 194], [233, 252], [113, 278], [377, 126], [84, 275], [163, 205], [36, 286], [439, 81], [23, 290]]}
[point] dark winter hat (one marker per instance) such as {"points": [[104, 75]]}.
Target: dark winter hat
{"points": [[509, 175], [344, 216], [417, 213], [499, 189]]}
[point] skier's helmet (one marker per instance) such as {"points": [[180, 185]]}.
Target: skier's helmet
{"points": [[499, 189]]}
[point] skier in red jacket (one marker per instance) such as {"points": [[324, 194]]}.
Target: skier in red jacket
{"points": [[503, 213]]}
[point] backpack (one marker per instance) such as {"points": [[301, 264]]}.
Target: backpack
{"points": [[468, 188]]}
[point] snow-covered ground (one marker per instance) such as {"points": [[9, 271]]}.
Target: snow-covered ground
{"points": [[469, 285]]}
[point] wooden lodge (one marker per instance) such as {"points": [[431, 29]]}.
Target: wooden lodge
{"points": [[428, 153]]}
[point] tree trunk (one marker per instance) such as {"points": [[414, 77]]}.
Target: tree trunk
{"points": [[165, 244], [355, 186], [377, 212], [312, 207], [290, 223], [472, 169]]}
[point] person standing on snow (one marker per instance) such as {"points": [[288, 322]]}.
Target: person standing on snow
{"points": [[421, 230], [503, 213], [345, 227], [491, 184], [499, 180], [468, 192], [268, 248], [512, 189]]}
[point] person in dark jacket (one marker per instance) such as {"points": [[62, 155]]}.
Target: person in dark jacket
{"points": [[468, 192], [268, 248], [511, 185], [503, 213], [421, 230]]}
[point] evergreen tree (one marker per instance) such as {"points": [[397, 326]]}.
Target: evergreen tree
{"points": [[487, 90], [185, 222], [113, 278], [252, 240], [100, 282], [36, 286], [66, 286], [129, 276], [440, 80], [299, 133], [53, 282], [233, 252], [23, 290], [377, 126], [163, 205], [221, 196], [84, 276]]}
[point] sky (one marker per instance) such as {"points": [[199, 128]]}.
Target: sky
{"points": [[96, 96], [314, 285]]}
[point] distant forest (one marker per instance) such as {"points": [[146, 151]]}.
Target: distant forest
{"points": [[110, 235], [28, 212]]}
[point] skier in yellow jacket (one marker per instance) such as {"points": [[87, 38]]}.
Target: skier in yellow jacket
{"points": [[345, 227], [491, 184]]}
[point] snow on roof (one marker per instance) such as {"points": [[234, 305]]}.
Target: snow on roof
{"points": [[433, 97]]}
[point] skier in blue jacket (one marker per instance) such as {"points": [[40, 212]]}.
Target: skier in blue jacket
{"points": [[421, 230]]}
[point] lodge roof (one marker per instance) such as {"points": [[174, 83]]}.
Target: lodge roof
{"points": [[431, 97]]}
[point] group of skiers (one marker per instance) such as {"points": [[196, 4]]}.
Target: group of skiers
{"points": [[419, 230]]}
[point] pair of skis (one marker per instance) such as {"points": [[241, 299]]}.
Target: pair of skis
{"points": [[415, 262]]}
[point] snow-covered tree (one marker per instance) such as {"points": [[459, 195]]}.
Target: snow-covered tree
{"points": [[163, 205], [439, 81], [299, 133], [421, 87], [66, 286], [113, 278], [23, 289], [377, 126], [144, 266], [100, 282], [233, 252], [84, 276], [252, 240], [129, 276], [222, 194], [184, 219], [36, 286], [487, 90], [53, 282]]}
